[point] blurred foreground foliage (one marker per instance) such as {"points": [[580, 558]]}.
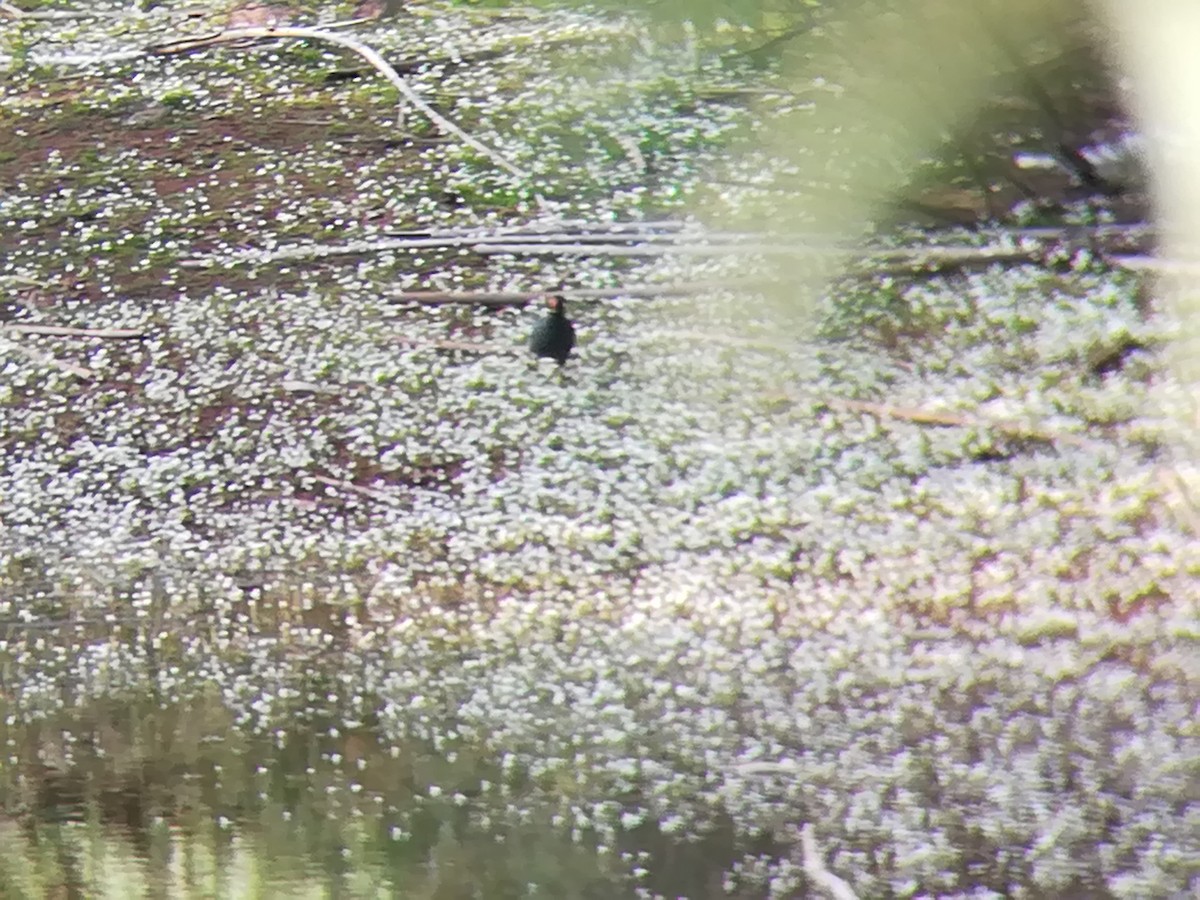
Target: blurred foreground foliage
{"points": [[917, 101]]}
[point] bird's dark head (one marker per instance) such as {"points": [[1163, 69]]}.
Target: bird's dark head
{"points": [[556, 304]]}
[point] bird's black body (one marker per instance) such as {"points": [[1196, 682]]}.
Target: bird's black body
{"points": [[553, 335]]}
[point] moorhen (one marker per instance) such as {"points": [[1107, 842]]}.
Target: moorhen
{"points": [[553, 335]]}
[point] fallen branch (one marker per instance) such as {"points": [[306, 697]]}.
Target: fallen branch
{"points": [[65, 331], [351, 487], [236, 35], [233, 35], [449, 240], [56, 15], [296, 386], [1156, 265], [426, 62], [72, 59], [785, 345], [55, 624], [814, 868], [422, 240], [1182, 498], [926, 417], [943, 259], [770, 767], [557, 226], [1129, 232], [447, 344], [46, 359], [358, 248], [581, 248], [466, 298], [515, 298], [682, 238]]}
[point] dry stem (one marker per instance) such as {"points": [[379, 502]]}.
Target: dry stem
{"points": [[381, 65], [66, 331]]}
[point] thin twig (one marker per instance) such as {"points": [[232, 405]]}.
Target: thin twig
{"points": [[426, 62], [296, 386], [814, 867], [73, 59], [770, 767], [449, 239], [381, 65], [1156, 265], [880, 262], [65, 331], [557, 226], [767, 48], [466, 298], [513, 298], [729, 340], [54, 624], [353, 488], [632, 151], [1183, 499], [1019, 246], [47, 360], [575, 248], [447, 344], [55, 15], [927, 417]]}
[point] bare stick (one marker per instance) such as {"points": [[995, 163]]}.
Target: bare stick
{"points": [[471, 239], [75, 59], [632, 151], [557, 226], [446, 344], [925, 417], [491, 245], [46, 359], [768, 767], [466, 298], [512, 298], [664, 238], [376, 61], [902, 260], [296, 386], [729, 340], [1157, 264], [1184, 501], [65, 331], [576, 248], [814, 868], [15, 12], [353, 488]]}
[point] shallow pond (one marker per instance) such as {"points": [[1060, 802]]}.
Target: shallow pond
{"points": [[312, 583]]}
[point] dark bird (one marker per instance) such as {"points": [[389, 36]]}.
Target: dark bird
{"points": [[553, 335]]}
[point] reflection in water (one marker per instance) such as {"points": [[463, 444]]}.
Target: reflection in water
{"points": [[169, 801], [288, 606]]}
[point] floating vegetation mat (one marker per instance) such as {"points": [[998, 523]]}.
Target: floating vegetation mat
{"points": [[283, 542]]}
